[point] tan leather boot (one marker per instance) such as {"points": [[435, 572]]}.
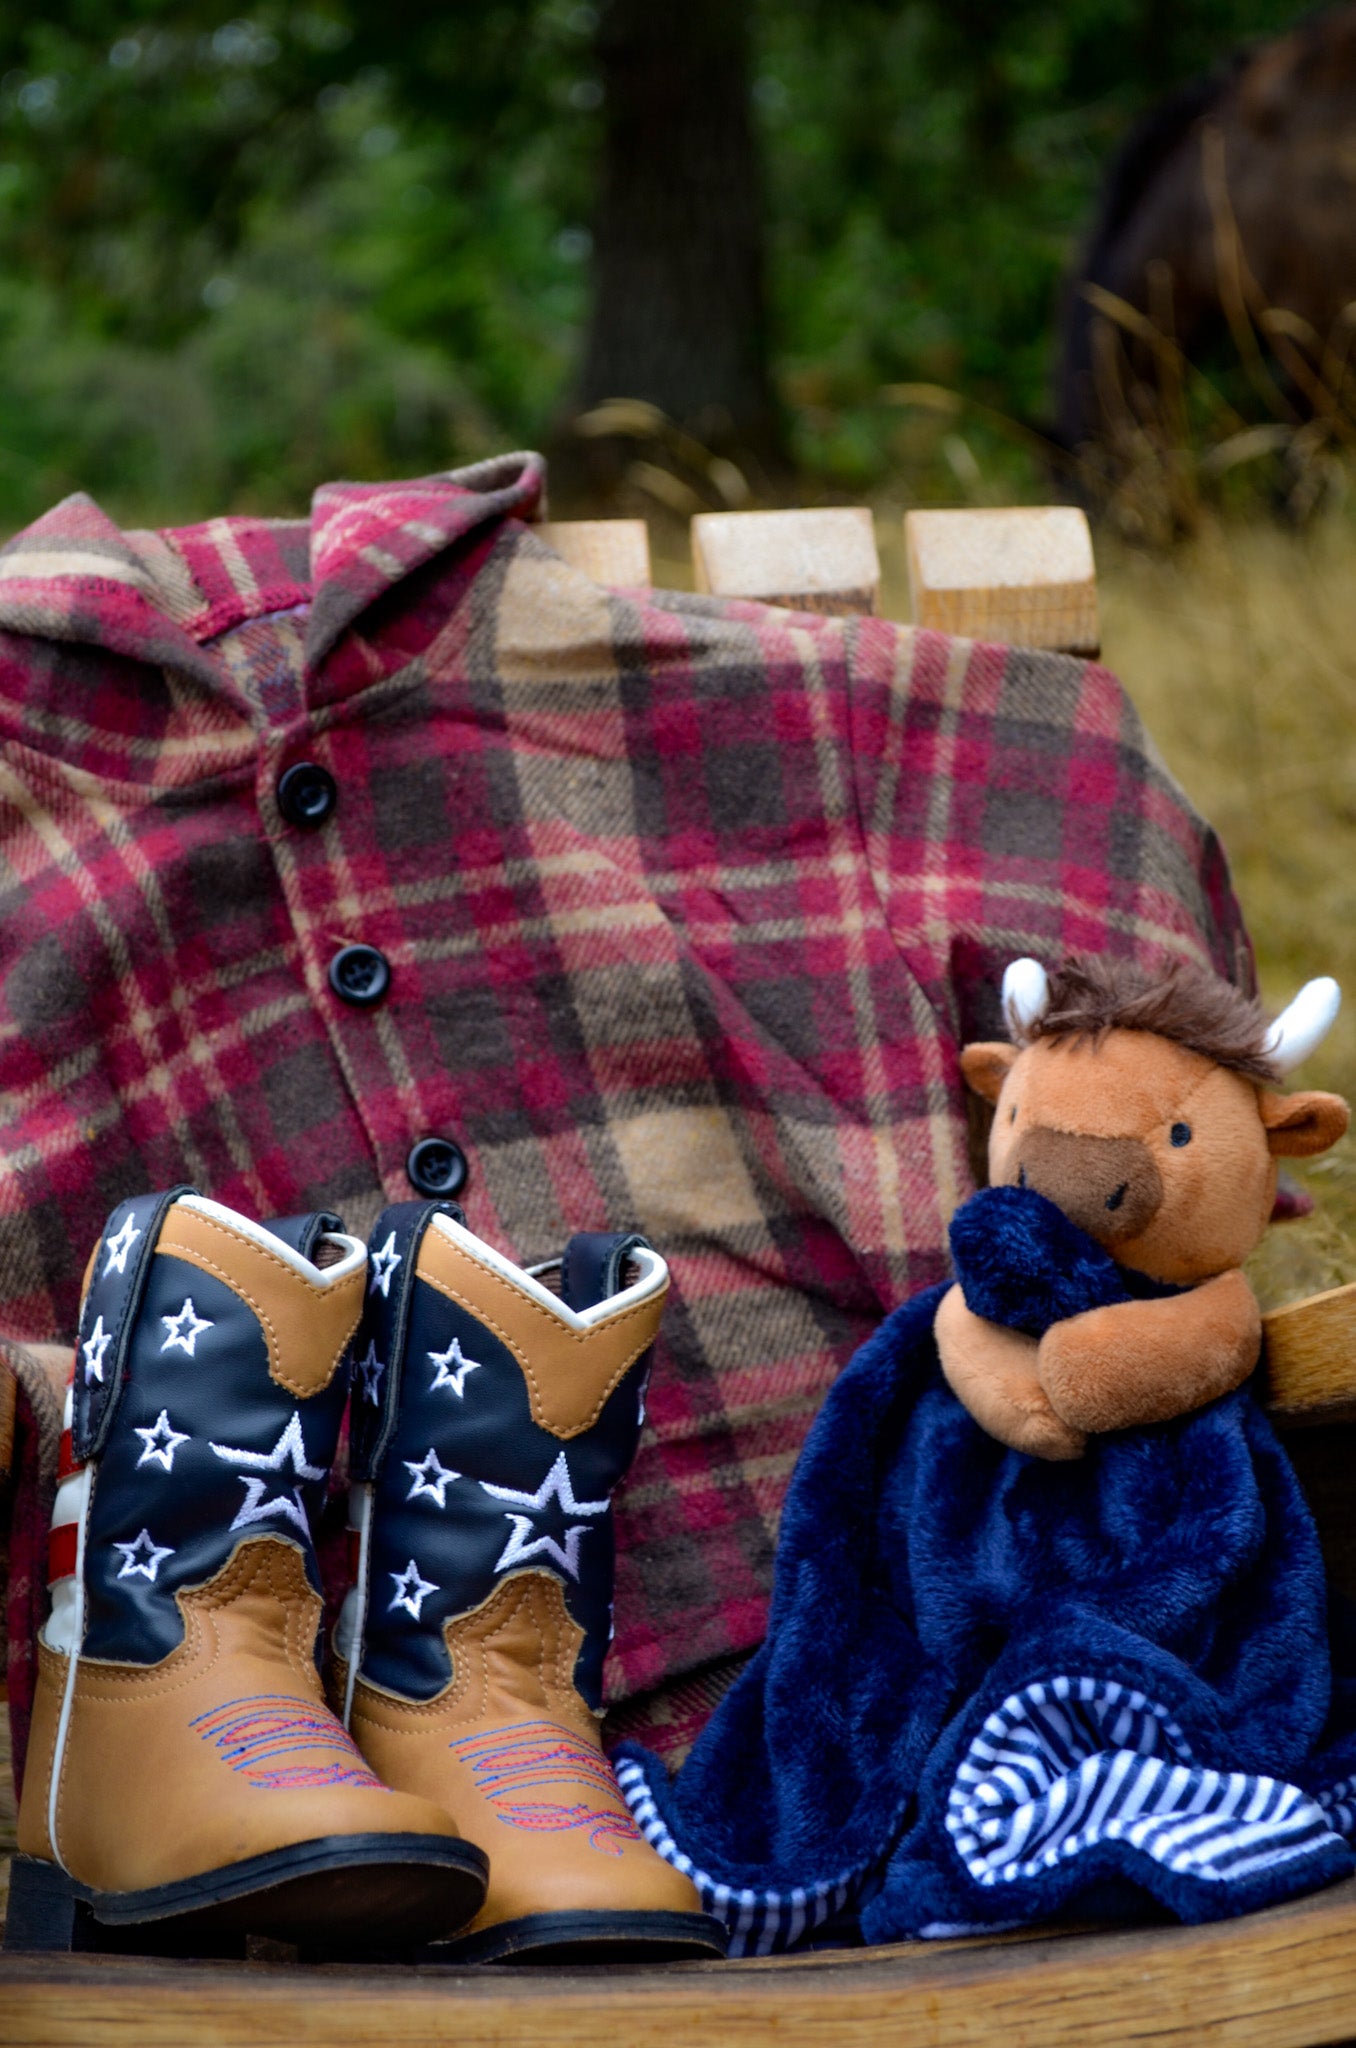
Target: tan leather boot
{"points": [[494, 1419], [185, 1772]]}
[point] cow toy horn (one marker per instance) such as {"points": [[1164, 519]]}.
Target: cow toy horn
{"points": [[1026, 995], [1304, 1024]]}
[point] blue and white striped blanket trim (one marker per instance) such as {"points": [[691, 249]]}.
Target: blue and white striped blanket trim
{"points": [[761, 1922], [1061, 1767]]}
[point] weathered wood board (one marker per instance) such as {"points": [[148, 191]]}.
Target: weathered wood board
{"points": [[819, 560], [614, 552], [1309, 1363], [1280, 1979], [1023, 576]]}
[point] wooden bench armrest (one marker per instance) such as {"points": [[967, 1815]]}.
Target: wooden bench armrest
{"points": [[1309, 1359]]}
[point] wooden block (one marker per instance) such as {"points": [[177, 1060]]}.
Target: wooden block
{"points": [[1309, 1358], [1283, 1978], [818, 561], [614, 552], [1024, 577]]}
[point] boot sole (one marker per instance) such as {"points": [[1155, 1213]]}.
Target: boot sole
{"points": [[373, 1889], [591, 1937]]}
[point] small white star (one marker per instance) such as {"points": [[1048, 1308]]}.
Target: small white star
{"points": [[289, 1449], [384, 1264], [453, 1366], [557, 1486], [371, 1367], [411, 1590], [93, 1349], [161, 1441], [184, 1329], [142, 1555], [433, 1481], [119, 1246]]}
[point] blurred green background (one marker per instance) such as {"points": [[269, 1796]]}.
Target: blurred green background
{"points": [[243, 252]]}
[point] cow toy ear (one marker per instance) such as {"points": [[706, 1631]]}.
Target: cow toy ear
{"points": [[1298, 1126], [986, 1067]]}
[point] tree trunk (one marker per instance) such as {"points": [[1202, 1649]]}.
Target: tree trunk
{"points": [[678, 313]]}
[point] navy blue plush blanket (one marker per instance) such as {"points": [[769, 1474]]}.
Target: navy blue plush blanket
{"points": [[996, 1689]]}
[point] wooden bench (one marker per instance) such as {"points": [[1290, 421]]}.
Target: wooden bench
{"points": [[1279, 1979]]}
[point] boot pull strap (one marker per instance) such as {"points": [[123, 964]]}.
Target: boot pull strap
{"points": [[393, 1254], [118, 1275], [303, 1233], [593, 1268]]}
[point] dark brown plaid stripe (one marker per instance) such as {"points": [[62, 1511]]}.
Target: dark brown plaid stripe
{"points": [[688, 908]]}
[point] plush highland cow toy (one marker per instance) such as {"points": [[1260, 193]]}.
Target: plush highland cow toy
{"points": [[1144, 1109]]}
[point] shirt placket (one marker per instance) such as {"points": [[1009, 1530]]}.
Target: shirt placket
{"points": [[356, 955]]}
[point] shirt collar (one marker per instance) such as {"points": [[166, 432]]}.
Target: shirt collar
{"points": [[73, 575]]}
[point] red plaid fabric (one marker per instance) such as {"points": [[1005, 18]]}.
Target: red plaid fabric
{"points": [[688, 905]]}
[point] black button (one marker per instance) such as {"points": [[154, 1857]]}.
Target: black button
{"points": [[360, 975], [437, 1166], [307, 794]]}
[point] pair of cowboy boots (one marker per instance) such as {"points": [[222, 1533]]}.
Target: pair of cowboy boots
{"points": [[188, 1782]]}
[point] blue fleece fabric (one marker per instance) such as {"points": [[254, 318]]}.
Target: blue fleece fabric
{"points": [[926, 1575]]}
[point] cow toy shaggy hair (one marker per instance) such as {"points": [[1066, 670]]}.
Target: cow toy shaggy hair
{"points": [[1146, 1110]]}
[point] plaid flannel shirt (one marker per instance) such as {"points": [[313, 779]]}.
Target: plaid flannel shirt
{"points": [[689, 906]]}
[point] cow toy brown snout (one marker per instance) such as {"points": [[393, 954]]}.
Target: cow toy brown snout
{"points": [[1109, 1187], [1145, 1109]]}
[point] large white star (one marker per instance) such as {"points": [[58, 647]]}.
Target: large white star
{"points": [[161, 1441], [93, 1349], [371, 1367], [142, 1555], [453, 1366], [411, 1590], [289, 1449], [557, 1486], [432, 1481], [184, 1329], [384, 1264], [119, 1246]]}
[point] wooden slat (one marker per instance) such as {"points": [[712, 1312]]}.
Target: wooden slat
{"points": [[614, 552], [1309, 1358], [1281, 1979], [1024, 576], [822, 560]]}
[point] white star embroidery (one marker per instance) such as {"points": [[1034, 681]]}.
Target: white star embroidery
{"points": [[432, 1481], [119, 1246], [161, 1441], [141, 1555], [371, 1367], [184, 1329], [384, 1264], [411, 1590], [289, 1448], [556, 1485], [453, 1366], [93, 1349]]}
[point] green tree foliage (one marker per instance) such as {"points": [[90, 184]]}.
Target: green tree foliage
{"points": [[240, 252]]}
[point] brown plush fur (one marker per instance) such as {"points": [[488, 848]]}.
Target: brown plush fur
{"points": [[1090, 996], [1086, 1113]]}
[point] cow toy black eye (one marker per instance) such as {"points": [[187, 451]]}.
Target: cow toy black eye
{"points": [[1180, 1134], [1012, 1114]]}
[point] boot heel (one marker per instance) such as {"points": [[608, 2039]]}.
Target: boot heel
{"points": [[45, 1911]]}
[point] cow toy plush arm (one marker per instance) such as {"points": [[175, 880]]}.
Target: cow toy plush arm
{"points": [[1145, 1108]]}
